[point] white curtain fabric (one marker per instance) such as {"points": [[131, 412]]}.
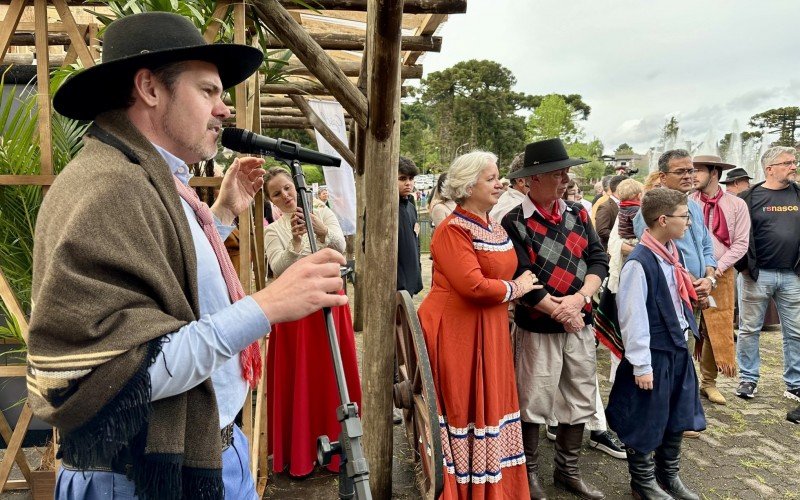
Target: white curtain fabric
{"points": [[340, 181]]}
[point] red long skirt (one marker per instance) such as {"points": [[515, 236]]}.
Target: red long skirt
{"points": [[302, 396]]}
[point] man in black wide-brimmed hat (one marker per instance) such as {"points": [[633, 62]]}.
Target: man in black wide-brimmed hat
{"points": [[142, 343], [555, 349]]}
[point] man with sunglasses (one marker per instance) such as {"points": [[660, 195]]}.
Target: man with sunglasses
{"points": [[770, 270]]}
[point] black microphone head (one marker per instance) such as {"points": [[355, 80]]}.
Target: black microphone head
{"points": [[234, 139]]}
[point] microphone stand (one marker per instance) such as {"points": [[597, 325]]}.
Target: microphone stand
{"points": [[353, 468]]}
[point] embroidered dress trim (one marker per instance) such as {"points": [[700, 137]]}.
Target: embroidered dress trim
{"points": [[491, 238], [478, 455]]}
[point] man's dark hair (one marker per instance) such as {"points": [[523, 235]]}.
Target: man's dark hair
{"points": [[605, 180], [672, 154], [662, 201], [407, 167], [614, 182]]}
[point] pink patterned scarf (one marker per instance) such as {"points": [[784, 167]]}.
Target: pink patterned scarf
{"points": [[250, 357], [682, 277]]}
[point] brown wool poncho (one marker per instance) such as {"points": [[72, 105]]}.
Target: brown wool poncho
{"points": [[114, 272]]}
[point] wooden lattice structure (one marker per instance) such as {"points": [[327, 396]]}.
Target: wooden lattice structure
{"points": [[357, 52]]}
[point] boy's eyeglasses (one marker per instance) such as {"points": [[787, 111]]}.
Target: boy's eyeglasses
{"points": [[686, 217]]}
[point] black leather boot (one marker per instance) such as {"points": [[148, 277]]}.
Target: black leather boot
{"points": [[643, 477], [569, 440], [668, 461], [530, 441]]}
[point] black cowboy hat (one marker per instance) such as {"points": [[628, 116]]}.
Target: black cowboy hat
{"points": [[545, 156], [734, 175], [147, 40]]}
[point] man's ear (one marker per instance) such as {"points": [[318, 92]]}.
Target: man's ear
{"points": [[146, 87]]}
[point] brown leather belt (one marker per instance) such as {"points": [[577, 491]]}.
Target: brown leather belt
{"points": [[122, 463]]}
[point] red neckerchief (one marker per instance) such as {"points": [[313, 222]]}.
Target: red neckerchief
{"points": [[552, 216], [630, 203], [720, 228], [682, 277]]}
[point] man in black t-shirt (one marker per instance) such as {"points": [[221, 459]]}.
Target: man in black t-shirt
{"points": [[770, 270]]}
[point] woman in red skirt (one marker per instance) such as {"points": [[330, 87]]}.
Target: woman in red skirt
{"points": [[302, 396]]}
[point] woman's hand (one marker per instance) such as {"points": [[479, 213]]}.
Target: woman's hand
{"points": [[527, 282]]}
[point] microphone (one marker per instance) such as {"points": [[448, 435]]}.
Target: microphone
{"points": [[244, 141]]}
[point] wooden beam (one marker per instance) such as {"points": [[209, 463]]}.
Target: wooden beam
{"points": [[13, 371], [302, 88], [12, 304], [351, 68], [75, 34], [26, 59], [27, 39], [313, 56], [10, 22], [27, 180], [8, 433], [428, 26], [219, 13], [15, 444], [43, 86], [321, 127], [285, 122], [206, 182], [381, 158], [410, 7], [340, 41]]}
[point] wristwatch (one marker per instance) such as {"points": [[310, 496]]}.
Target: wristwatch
{"points": [[713, 281], [586, 299]]}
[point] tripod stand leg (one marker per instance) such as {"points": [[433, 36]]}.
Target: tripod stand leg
{"points": [[347, 489]]}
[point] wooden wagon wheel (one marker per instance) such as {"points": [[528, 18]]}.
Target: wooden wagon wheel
{"points": [[415, 395]]}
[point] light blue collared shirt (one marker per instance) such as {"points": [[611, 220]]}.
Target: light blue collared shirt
{"points": [[210, 346], [696, 246]]}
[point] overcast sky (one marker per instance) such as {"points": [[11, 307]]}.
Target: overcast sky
{"points": [[637, 62]]}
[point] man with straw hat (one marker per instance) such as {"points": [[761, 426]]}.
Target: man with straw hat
{"points": [[728, 222], [142, 343]]}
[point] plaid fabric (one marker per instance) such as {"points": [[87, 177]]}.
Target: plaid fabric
{"points": [[559, 255]]}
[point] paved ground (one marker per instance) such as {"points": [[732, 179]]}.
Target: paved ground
{"points": [[749, 450]]}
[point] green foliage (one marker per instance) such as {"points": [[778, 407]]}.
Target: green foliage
{"points": [[19, 205], [553, 118], [782, 121], [624, 149], [588, 151], [580, 110], [468, 106]]}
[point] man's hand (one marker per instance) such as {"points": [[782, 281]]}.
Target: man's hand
{"points": [[702, 287], [305, 287], [718, 274], [241, 182], [567, 307], [644, 381]]}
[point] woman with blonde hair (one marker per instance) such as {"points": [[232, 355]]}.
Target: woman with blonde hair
{"points": [[302, 396], [465, 323]]}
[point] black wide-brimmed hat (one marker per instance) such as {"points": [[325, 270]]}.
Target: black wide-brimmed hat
{"points": [[147, 40], [734, 175], [545, 156]]}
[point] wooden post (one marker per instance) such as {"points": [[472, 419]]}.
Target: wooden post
{"points": [[43, 87], [382, 152], [313, 56], [10, 22], [358, 139]]}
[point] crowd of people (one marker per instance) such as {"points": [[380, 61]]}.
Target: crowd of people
{"points": [[143, 346], [527, 280]]}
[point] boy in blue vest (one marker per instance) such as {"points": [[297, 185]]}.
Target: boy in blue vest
{"points": [[654, 398]]}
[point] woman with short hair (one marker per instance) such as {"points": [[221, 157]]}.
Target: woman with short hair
{"points": [[465, 322], [302, 396]]}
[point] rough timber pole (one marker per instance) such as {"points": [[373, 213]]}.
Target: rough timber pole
{"points": [[381, 156]]}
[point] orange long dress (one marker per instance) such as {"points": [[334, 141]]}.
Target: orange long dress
{"points": [[465, 322]]}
